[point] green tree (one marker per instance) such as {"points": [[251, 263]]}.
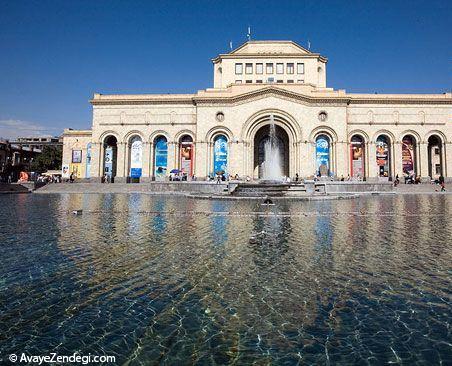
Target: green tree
{"points": [[49, 159]]}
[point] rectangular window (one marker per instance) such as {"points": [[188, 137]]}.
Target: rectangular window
{"points": [[438, 169], [271, 80], [279, 81], [280, 68], [248, 68], [238, 81], [300, 68], [258, 81], [249, 81], [290, 68], [269, 68], [238, 69], [300, 81], [259, 68], [290, 81], [436, 151]]}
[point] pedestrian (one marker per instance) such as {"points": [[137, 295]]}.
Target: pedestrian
{"points": [[442, 183], [71, 177], [218, 178], [296, 177]]}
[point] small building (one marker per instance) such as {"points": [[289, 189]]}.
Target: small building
{"points": [[259, 86]]}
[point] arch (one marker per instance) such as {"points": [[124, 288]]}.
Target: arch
{"points": [[361, 133], [281, 118], [105, 134], [110, 153], [325, 130], [129, 135], [184, 132], [436, 132], [323, 152], [157, 133], [219, 130], [383, 132], [409, 143], [412, 133], [271, 152], [160, 154], [186, 145], [220, 153], [383, 155], [135, 156], [435, 157], [358, 156]]}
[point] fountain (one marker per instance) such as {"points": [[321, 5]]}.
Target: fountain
{"points": [[271, 168]]}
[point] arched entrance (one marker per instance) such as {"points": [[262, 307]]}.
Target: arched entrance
{"points": [[435, 157], [186, 154], [135, 158], [160, 157], [110, 146], [262, 137], [383, 156], [409, 155], [323, 155], [357, 157], [220, 154]]}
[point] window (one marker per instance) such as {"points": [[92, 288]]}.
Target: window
{"points": [[271, 80], [238, 69], [438, 169], [280, 68], [238, 81], [249, 81], [259, 68], [436, 151], [290, 68], [269, 68], [248, 68], [290, 81], [258, 81], [300, 68], [279, 81], [301, 81]]}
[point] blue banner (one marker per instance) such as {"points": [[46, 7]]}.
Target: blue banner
{"points": [[160, 157], [322, 153], [220, 154]]}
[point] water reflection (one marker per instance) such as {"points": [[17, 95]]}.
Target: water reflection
{"points": [[180, 281]]}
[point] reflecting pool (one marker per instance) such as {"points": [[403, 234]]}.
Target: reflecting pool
{"points": [[179, 281]]}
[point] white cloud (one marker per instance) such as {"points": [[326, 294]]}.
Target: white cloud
{"points": [[12, 128]]}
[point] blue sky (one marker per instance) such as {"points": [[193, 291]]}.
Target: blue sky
{"points": [[55, 54]]}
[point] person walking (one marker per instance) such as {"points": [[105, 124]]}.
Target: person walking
{"points": [[442, 183]]}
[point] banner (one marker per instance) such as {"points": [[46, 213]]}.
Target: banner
{"points": [[407, 155], [108, 161], [382, 157], [76, 156], [160, 158], [65, 171], [136, 154], [220, 155], [357, 152], [322, 155], [88, 161], [186, 158]]}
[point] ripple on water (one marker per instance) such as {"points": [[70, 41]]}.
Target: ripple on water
{"points": [[161, 280]]}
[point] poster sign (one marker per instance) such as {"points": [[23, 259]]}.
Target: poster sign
{"points": [[109, 161], [357, 159], [408, 155], [136, 154], [220, 154], [88, 161], [186, 158], [160, 158], [76, 156], [322, 155], [65, 171], [382, 157]]}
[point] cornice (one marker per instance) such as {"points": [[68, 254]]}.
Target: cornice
{"points": [[272, 90]]}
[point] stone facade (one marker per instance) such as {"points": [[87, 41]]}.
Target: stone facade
{"points": [[366, 136]]}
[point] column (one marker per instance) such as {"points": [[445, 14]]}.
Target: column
{"points": [[423, 160], [172, 155], [120, 162], [96, 161], [146, 161], [372, 159], [398, 166]]}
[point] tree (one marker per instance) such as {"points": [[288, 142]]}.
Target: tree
{"points": [[49, 159]]}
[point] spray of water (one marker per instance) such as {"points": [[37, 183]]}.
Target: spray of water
{"points": [[272, 165]]}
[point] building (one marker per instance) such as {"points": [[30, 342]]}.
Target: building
{"points": [[15, 158], [38, 142], [320, 131]]}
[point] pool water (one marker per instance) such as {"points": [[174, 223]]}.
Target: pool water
{"points": [[180, 281]]}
